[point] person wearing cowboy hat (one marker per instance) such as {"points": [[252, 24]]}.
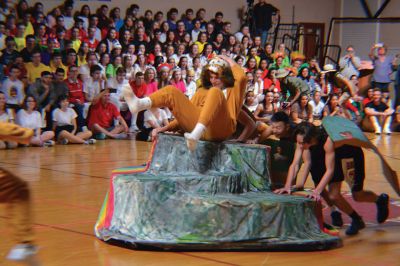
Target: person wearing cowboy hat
{"points": [[292, 85], [212, 113], [333, 79]]}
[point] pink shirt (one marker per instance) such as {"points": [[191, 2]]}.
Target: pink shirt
{"points": [[180, 85], [151, 88]]}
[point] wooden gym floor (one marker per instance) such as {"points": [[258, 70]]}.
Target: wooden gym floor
{"points": [[69, 184]]}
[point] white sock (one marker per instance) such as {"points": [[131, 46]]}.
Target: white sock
{"points": [[375, 123], [193, 137], [386, 127], [134, 103]]}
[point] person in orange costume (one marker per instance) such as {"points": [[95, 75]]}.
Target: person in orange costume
{"points": [[213, 112], [15, 193]]}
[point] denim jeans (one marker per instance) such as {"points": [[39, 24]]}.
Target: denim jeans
{"points": [[264, 35]]}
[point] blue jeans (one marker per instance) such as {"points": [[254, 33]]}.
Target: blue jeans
{"points": [[80, 120], [264, 35]]}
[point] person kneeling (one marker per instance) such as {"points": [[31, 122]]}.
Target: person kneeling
{"points": [[65, 126]]}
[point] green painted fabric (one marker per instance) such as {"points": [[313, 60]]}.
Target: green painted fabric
{"points": [[215, 198]]}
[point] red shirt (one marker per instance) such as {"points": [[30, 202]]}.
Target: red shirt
{"points": [[103, 115], [139, 91], [92, 44], [75, 91], [366, 101], [268, 83]]}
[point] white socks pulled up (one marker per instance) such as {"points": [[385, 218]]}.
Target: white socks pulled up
{"points": [[134, 103], [193, 137]]}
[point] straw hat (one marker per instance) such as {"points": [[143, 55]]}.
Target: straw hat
{"points": [[328, 68], [281, 73]]}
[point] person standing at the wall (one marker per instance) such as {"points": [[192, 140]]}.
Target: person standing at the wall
{"points": [[263, 14]]}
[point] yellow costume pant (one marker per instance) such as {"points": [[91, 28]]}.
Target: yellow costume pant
{"points": [[15, 192], [215, 115]]}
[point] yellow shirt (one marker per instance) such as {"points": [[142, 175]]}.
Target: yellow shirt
{"points": [[201, 46], [54, 68], [34, 72], [76, 44], [29, 29], [21, 43]]}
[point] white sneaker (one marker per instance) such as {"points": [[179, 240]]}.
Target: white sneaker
{"points": [[22, 252], [387, 131], [90, 141], [133, 129], [48, 143]]}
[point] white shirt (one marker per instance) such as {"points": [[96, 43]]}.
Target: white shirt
{"points": [[190, 89], [317, 108], [4, 117], [32, 120], [64, 118], [149, 116], [18, 86], [92, 88], [68, 22]]}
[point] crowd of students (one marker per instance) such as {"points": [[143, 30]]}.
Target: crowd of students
{"points": [[62, 72]]}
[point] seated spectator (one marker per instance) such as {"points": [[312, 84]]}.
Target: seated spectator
{"points": [[111, 70], [117, 83], [251, 102], [154, 118], [378, 115], [177, 80], [259, 85], [13, 88], [369, 98], [30, 47], [30, 118], [304, 74], [150, 80], [190, 84], [317, 105], [271, 83], [92, 87], [36, 67], [65, 127], [40, 90], [5, 117], [47, 52], [84, 70], [20, 37], [266, 109], [9, 54], [101, 118], [333, 108], [139, 88], [76, 95], [58, 86], [56, 62], [301, 111]]}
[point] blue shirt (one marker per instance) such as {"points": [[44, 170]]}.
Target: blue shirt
{"points": [[382, 70]]}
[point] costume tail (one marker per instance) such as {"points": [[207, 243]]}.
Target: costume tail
{"points": [[12, 132]]}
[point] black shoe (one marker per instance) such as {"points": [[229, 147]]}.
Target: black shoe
{"points": [[356, 225], [337, 219], [382, 205]]}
